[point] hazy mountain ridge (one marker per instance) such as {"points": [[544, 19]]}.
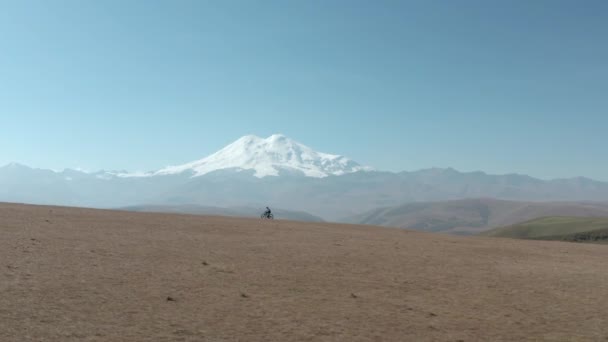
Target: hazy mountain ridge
{"points": [[278, 172]]}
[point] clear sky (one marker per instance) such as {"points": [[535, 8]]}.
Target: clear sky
{"points": [[499, 86]]}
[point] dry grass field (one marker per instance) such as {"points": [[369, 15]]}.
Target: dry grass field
{"points": [[69, 274]]}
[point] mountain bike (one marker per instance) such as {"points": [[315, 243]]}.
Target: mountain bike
{"points": [[267, 215]]}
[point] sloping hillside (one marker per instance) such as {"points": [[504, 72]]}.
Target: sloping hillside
{"points": [[69, 274], [578, 229], [473, 215], [279, 214]]}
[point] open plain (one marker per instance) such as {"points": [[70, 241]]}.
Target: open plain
{"points": [[70, 274]]}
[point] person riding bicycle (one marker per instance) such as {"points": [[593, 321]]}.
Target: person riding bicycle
{"points": [[267, 214]]}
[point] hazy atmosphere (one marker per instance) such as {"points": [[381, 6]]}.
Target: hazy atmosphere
{"points": [[512, 87], [288, 171]]}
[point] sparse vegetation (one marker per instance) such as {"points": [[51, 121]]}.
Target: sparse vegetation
{"points": [[575, 229]]}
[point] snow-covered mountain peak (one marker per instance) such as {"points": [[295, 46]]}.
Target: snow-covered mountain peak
{"points": [[268, 157], [277, 137]]}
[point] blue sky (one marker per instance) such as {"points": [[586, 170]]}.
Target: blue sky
{"points": [[509, 86]]}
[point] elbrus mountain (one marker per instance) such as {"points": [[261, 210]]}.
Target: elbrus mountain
{"points": [[254, 172]]}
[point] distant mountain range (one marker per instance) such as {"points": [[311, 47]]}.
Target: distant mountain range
{"points": [[278, 172]]}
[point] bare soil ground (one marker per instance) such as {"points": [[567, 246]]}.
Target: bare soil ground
{"points": [[70, 274]]}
